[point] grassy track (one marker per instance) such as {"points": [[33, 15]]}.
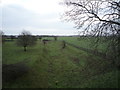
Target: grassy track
{"points": [[54, 67]]}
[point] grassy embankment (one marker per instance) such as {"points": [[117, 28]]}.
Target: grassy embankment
{"points": [[54, 67]]}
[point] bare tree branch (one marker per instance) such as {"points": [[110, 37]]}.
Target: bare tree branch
{"points": [[97, 18]]}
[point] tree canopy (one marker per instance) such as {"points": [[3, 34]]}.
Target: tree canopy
{"points": [[25, 39], [96, 17]]}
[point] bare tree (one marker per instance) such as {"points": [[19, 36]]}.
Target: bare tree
{"points": [[25, 39], [55, 38], [97, 18]]}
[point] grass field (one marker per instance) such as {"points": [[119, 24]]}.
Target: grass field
{"points": [[54, 67], [85, 43]]}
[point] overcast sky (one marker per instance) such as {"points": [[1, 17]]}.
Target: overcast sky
{"points": [[40, 17]]}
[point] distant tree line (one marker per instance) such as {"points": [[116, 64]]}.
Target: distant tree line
{"points": [[25, 39]]}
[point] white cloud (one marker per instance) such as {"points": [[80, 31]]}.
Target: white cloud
{"points": [[51, 31], [37, 16], [37, 6], [41, 31]]}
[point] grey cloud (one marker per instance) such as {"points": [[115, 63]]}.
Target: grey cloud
{"points": [[15, 17]]}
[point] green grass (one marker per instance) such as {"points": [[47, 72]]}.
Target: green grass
{"points": [[85, 43], [50, 64], [104, 81]]}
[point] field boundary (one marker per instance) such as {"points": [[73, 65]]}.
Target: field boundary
{"points": [[97, 53]]}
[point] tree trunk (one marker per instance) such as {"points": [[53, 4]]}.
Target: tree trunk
{"points": [[25, 48]]}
